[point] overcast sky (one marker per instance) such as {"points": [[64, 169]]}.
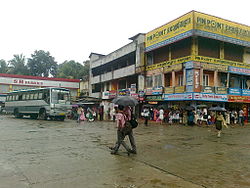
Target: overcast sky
{"points": [[72, 29]]}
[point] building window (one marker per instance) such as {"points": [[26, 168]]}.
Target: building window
{"points": [[206, 80], [180, 80], [149, 81], [150, 59], [167, 80], [158, 80]]}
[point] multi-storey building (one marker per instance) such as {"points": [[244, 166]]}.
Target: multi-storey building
{"points": [[192, 60], [199, 59], [118, 73]]}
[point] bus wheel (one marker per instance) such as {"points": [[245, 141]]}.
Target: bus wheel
{"points": [[33, 116], [16, 114], [42, 114]]}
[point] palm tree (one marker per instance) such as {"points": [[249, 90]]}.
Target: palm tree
{"points": [[17, 65]]}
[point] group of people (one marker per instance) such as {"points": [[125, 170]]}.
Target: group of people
{"points": [[83, 114], [200, 116]]}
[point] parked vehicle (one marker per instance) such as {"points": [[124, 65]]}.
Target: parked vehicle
{"points": [[42, 103]]}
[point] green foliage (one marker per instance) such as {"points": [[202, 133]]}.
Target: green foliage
{"points": [[17, 65], [72, 70], [42, 63], [3, 66]]}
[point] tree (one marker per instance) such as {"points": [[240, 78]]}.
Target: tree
{"points": [[17, 65], [86, 65], [71, 69], [43, 64], [3, 66]]}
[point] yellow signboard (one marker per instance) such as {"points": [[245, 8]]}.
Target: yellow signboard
{"points": [[168, 63], [169, 30], [220, 26]]}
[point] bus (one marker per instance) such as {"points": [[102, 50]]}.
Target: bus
{"points": [[42, 103]]}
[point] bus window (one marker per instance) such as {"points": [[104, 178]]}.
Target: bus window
{"points": [[35, 96], [40, 95], [16, 97], [20, 97], [27, 96], [31, 96]]}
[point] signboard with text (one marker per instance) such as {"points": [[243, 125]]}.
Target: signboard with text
{"points": [[178, 96], [209, 97]]}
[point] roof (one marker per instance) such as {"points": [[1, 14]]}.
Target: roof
{"points": [[38, 77]]}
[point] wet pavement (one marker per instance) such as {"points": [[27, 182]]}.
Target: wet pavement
{"points": [[51, 154]]}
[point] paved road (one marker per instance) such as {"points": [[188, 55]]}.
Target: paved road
{"points": [[51, 154]]}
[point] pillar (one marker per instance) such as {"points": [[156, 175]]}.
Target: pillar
{"points": [[173, 78], [216, 78]]}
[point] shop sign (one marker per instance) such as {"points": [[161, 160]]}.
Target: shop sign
{"points": [[220, 61], [208, 89], [238, 70], [148, 91], [210, 66], [235, 98], [220, 27], [112, 94], [221, 90], [141, 93], [197, 80], [168, 63], [234, 91], [190, 77], [108, 94], [210, 97], [168, 31], [245, 92], [154, 98], [152, 102], [189, 65], [168, 90], [179, 89], [178, 96], [123, 92], [189, 89], [27, 82], [157, 91]]}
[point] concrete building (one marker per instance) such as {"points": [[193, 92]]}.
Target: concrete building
{"points": [[199, 59], [10, 82], [118, 73], [195, 59]]}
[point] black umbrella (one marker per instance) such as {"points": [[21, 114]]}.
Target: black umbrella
{"points": [[189, 108], [125, 101], [217, 108]]}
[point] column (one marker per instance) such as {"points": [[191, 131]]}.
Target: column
{"points": [[173, 78], [201, 77], [184, 77], [228, 79], [216, 78]]}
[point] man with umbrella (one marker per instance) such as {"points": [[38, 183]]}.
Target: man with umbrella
{"points": [[123, 127]]}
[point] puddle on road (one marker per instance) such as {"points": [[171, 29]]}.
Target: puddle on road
{"points": [[169, 146]]}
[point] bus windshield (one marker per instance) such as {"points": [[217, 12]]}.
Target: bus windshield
{"points": [[59, 96]]}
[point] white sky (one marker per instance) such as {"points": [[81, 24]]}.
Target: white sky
{"points": [[72, 29]]}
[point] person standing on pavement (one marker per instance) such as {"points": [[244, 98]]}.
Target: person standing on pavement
{"points": [[241, 117], [161, 115], [146, 114], [79, 112], [121, 121]]}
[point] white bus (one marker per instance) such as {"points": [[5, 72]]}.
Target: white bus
{"points": [[39, 103]]}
